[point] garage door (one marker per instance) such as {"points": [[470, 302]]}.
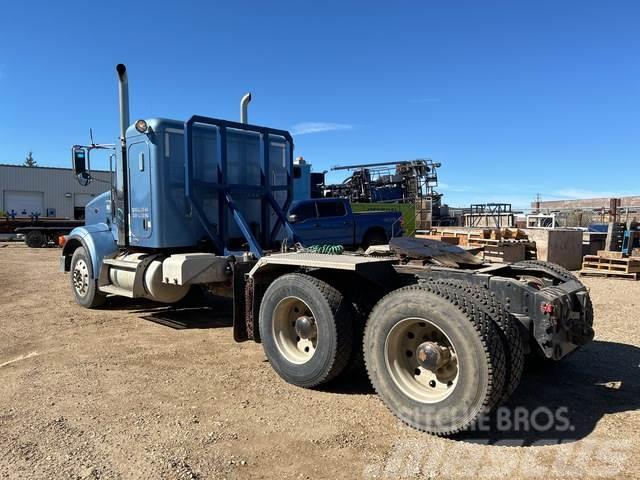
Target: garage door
{"points": [[24, 203], [81, 199]]}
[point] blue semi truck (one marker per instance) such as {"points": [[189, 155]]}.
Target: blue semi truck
{"points": [[207, 202]]}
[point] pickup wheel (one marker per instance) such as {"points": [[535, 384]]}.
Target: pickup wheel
{"points": [[374, 237], [35, 239], [306, 329], [436, 360], [85, 288]]}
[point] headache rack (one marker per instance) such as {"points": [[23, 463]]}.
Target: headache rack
{"points": [[226, 192]]}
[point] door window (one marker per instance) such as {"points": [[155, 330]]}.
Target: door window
{"points": [[304, 211], [331, 209]]}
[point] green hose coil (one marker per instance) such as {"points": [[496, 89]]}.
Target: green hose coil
{"points": [[328, 249]]}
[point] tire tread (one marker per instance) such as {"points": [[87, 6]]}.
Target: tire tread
{"points": [[488, 336]]}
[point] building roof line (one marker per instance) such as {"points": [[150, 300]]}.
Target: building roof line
{"points": [[48, 168]]}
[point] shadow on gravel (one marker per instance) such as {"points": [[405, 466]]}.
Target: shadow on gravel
{"points": [[206, 311], [356, 383], [563, 402]]}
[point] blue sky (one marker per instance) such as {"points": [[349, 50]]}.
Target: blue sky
{"points": [[514, 98]]}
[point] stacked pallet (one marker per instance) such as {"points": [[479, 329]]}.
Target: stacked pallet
{"points": [[506, 250], [457, 236], [468, 236], [451, 240], [498, 244], [611, 264]]}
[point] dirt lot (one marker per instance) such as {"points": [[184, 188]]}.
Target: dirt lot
{"points": [[112, 394]]}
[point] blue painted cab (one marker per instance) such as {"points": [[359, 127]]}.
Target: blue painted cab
{"points": [[204, 184]]}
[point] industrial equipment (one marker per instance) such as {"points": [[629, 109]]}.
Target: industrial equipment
{"points": [[408, 181], [204, 202], [403, 181]]}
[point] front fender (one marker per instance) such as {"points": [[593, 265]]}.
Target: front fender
{"points": [[96, 239]]}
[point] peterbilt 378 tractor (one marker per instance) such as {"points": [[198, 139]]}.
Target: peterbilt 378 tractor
{"points": [[203, 203]]}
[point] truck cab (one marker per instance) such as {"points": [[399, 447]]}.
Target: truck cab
{"points": [[187, 200]]}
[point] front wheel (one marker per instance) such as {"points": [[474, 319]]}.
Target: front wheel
{"points": [[375, 237], [84, 286], [306, 329], [436, 361]]}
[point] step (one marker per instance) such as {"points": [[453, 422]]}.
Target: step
{"points": [[113, 290], [121, 264]]}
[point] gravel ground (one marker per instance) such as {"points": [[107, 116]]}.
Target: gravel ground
{"points": [[111, 393]]}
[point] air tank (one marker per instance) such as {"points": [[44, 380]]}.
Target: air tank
{"points": [[154, 288]]}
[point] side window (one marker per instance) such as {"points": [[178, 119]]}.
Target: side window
{"points": [[331, 209], [304, 211]]}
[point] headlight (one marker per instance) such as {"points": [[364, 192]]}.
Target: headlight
{"points": [[141, 126]]}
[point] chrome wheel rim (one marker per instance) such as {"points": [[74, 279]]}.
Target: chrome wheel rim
{"points": [[294, 330], [81, 277], [403, 349]]}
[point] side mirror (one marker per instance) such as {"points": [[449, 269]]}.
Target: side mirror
{"points": [[80, 160], [293, 218]]}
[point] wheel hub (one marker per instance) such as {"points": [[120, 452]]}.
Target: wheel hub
{"points": [[432, 356], [81, 277], [294, 330], [422, 360], [306, 327]]}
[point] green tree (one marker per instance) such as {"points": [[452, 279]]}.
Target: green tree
{"points": [[29, 161]]}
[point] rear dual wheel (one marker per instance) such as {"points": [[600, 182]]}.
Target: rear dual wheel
{"points": [[434, 358], [306, 329], [507, 327]]}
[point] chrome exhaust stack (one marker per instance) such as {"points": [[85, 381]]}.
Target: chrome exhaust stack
{"points": [[244, 108], [123, 98], [121, 197]]}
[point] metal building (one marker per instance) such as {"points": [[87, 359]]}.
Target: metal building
{"points": [[47, 191]]}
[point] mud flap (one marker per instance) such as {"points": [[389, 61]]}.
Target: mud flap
{"points": [[241, 300]]}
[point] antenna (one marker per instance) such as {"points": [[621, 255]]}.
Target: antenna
{"points": [[91, 136]]}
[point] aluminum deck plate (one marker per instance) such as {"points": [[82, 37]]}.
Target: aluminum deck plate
{"points": [[322, 260]]}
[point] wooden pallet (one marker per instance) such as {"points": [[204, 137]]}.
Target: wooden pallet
{"points": [[608, 274], [487, 242], [505, 252], [442, 238], [606, 254], [619, 265]]}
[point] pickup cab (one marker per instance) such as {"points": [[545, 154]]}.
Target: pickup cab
{"points": [[331, 221]]}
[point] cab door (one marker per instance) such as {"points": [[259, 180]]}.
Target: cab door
{"points": [[306, 226], [140, 207], [336, 226]]}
